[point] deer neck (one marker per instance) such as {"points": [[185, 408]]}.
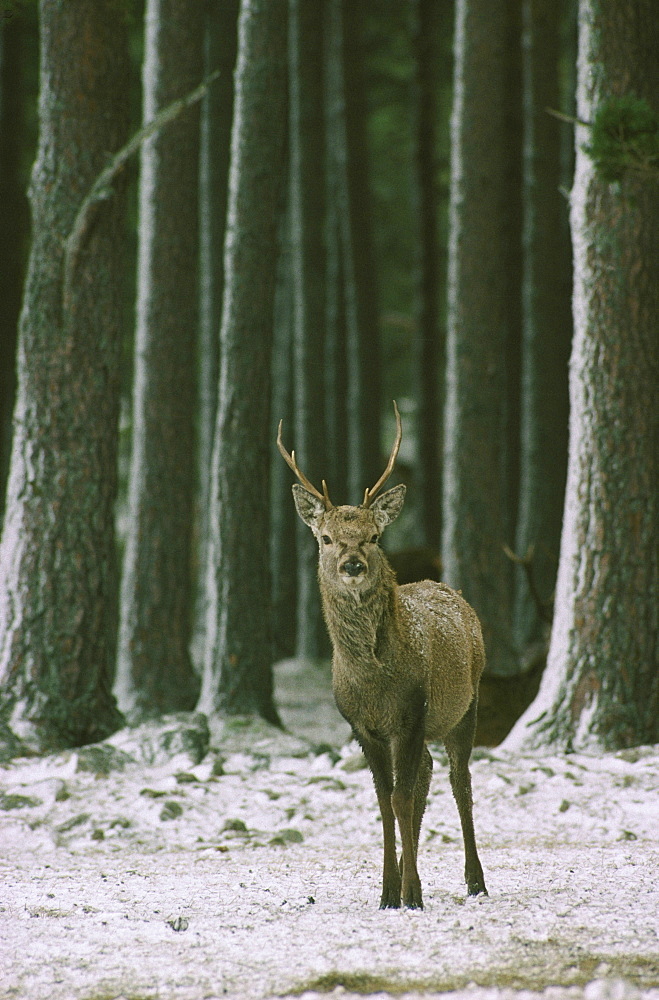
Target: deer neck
{"points": [[359, 623]]}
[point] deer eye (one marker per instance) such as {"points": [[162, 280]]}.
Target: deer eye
{"points": [[327, 540], [375, 539]]}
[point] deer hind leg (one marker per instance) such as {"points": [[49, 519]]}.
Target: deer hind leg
{"points": [[421, 794], [421, 790], [458, 745], [378, 755]]}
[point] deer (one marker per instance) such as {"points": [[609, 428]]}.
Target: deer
{"points": [[406, 666]]}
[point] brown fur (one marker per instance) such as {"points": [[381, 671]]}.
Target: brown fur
{"points": [[406, 668]]}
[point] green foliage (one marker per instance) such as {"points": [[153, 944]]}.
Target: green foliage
{"points": [[624, 138]]}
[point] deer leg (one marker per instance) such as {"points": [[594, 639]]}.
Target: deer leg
{"points": [[408, 802], [420, 799], [421, 794], [458, 745], [379, 760]]}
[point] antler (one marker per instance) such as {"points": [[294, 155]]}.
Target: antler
{"points": [[290, 461], [370, 495]]}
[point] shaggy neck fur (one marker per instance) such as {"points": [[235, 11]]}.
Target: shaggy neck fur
{"points": [[358, 620]]}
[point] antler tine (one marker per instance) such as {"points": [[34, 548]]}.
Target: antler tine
{"points": [[370, 495], [291, 462]]}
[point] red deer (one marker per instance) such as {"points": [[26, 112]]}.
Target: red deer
{"points": [[406, 667]]}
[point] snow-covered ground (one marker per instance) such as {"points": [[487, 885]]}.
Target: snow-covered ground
{"points": [[142, 869]]}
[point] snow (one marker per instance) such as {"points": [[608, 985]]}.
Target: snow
{"points": [[150, 867]]}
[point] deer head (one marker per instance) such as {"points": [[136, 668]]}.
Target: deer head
{"points": [[349, 554]]}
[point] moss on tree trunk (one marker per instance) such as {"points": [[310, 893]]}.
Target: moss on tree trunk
{"points": [[602, 678]]}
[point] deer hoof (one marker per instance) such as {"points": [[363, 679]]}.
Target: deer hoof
{"points": [[477, 888], [389, 902], [413, 900], [390, 899], [412, 896]]}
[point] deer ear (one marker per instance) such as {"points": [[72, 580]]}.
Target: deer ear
{"points": [[308, 506], [388, 506]]}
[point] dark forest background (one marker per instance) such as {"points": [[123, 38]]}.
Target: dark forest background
{"points": [[365, 201]]}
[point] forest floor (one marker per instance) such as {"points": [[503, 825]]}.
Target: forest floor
{"points": [[155, 866]]}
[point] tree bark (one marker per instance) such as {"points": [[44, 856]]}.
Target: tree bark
{"points": [[57, 559], [431, 23], [335, 354], [476, 486], [348, 178], [547, 320], [283, 543], [154, 672], [216, 116], [18, 66], [238, 662], [307, 261], [601, 684]]}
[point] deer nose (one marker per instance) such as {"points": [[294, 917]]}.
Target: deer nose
{"points": [[353, 567]]}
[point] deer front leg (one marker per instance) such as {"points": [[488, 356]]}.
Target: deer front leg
{"points": [[420, 800], [403, 806], [379, 760], [412, 781]]}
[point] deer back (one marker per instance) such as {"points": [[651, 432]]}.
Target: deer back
{"points": [[439, 636]]}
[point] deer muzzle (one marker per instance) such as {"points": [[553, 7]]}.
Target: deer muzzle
{"points": [[353, 567]]}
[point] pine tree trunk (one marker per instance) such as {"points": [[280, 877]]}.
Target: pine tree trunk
{"points": [[238, 662], [154, 672], [284, 522], [336, 366], [476, 429], [601, 683], [430, 334], [547, 322], [307, 260], [57, 560], [18, 59], [216, 117], [349, 189], [512, 268], [335, 354]]}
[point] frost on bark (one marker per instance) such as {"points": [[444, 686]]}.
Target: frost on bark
{"points": [[601, 684], [57, 559], [476, 485], [220, 41], [154, 672], [307, 262], [238, 662], [547, 322]]}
